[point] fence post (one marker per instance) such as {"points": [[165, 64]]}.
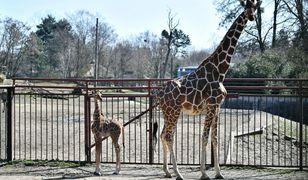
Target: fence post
{"points": [[151, 150], [301, 119], [87, 132], [9, 123]]}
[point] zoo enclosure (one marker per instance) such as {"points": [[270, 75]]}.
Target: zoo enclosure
{"points": [[262, 122]]}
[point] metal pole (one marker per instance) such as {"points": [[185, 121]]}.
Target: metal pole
{"points": [[9, 123], [87, 125], [96, 53], [301, 119], [151, 150]]}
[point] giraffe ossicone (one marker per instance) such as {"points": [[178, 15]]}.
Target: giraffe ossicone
{"points": [[201, 91]]}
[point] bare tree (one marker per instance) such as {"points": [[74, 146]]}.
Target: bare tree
{"points": [[106, 37], [168, 36], [63, 41], [175, 41], [298, 17], [13, 42], [147, 55], [122, 55], [277, 4], [195, 57], [83, 23]]}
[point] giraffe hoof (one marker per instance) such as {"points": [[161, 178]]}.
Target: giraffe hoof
{"points": [[168, 176], [205, 178], [115, 173], [179, 178], [219, 176], [97, 173]]}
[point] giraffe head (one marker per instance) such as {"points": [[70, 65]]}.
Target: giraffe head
{"points": [[250, 7], [98, 96]]}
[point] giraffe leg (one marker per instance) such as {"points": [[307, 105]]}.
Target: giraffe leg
{"points": [[117, 151], [165, 157], [205, 137], [215, 147], [167, 139], [175, 167], [98, 152]]}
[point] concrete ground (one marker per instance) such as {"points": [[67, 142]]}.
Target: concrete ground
{"points": [[140, 172]]}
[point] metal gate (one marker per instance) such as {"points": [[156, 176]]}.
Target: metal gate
{"points": [[5, 123], [260, 125]]}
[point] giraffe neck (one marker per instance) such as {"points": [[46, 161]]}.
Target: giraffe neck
{"points": [[227, 46], [97, 111], [221, 57]]}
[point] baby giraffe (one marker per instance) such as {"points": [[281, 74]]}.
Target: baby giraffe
{"points": [[101, 128]]}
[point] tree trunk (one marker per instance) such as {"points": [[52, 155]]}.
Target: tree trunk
{"points": [[277, 2], [259, 28], [167, 57]]}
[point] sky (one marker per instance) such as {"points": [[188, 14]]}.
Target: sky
{"points": [[198, 18]]}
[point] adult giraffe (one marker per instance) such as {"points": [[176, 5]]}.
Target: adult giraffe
{"points": [[201, 91]]}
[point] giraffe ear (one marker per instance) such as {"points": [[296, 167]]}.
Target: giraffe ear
{"points": [[99, 95], [259, 2], [243, 3]]}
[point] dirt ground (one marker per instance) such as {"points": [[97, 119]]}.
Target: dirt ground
{"points": [[145, 172]]}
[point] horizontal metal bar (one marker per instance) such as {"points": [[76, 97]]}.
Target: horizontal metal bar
{"points": [[87, 80], [264, 79], [153, 79], [52, 87], [158, 87], [259, 87]]}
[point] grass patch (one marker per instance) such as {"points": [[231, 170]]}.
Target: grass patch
{"points": [[45, 163]]}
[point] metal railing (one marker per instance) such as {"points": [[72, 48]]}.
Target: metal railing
{"points": [[263, 122]]}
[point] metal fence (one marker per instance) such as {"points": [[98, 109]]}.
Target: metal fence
{"points": [[263, 122]]}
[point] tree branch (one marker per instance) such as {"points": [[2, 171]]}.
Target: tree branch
{"points": [[290, 9], [251, 34], [267, 34]]}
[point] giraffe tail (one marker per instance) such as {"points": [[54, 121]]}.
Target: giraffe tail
{"points": [[123, 142], [155, 130]]}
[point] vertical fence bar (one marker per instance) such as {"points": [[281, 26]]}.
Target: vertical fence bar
{"points": [[146, 134], [13, 94], [41, 125], [135, 129], [87, 125], [46, 127], [79, 128], [57, 114], [74, 130], [62, 126], [30, 123], [68, 128], [151, 151], [1, 133], [52, 124], [9, 123], [35, 133], [25, 127], [301, 119]]}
